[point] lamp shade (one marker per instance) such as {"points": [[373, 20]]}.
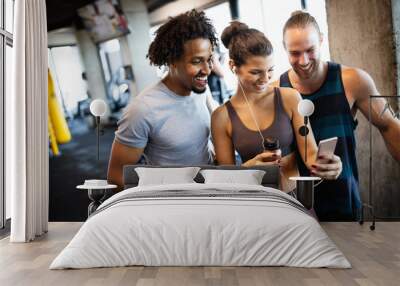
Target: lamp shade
{"points": [[98, 107], [305, 107]]}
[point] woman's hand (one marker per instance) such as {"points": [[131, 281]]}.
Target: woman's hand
{"points": [[264, 158], [328, 168]]}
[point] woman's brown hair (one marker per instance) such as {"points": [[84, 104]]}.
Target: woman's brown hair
{"points": [[244, 42]]}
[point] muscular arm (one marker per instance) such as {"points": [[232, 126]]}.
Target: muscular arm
{"points": [[358, 87], [121, 155]]}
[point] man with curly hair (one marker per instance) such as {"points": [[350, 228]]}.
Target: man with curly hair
{"points": [[169, 122]]}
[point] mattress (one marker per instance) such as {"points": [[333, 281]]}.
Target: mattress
{"points": [[201, 225]]}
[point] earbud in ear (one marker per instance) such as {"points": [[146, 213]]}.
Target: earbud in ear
{"points": [[234, 70]]}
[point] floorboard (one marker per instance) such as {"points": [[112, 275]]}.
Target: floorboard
{"points": [[374, 255]]}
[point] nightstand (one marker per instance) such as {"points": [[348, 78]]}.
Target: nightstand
{"points": [[96, 193]]}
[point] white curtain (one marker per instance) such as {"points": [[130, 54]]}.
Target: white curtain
{"points": [[26, 124]]}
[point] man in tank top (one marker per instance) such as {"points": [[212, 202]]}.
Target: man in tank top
{"points": [[337, 92]]}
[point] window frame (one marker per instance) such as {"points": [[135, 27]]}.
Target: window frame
{"points": [[6, 39]]}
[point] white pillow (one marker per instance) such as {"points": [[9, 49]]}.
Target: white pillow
{"points": [[248, 177], [163, 176]]}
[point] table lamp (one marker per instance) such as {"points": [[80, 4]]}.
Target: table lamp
{"points": [[96, 188], [305, 185], [306, 109], [98, 108]]}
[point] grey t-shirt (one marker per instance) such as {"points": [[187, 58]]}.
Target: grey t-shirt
{"points": [[173, 129]]}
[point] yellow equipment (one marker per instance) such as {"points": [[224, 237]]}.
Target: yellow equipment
{"points": [[58, 127], [52, 137]]}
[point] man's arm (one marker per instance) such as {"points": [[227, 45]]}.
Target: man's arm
{"points": [[121, 155], [359, 86]]}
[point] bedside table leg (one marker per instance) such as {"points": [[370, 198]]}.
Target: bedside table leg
{"points": [[96, 197]]}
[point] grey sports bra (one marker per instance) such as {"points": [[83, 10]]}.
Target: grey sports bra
{"points": [[248, 142]]}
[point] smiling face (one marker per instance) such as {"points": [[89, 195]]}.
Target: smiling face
{"points": [[255, 74], [303, 46], [191, 70]]}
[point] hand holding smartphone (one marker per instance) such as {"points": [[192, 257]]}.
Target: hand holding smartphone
{"points": [[326, 148]]}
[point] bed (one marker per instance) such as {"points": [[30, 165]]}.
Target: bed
{"points": [[201, 224]]}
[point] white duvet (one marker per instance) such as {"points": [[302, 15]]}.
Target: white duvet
{"points": [[184, 230]]}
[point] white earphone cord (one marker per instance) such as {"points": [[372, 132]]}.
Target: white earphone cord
{"points": [[252, 115], [262, 136]]}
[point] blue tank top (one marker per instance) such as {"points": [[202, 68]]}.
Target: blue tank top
{"points": [[334, 199]]}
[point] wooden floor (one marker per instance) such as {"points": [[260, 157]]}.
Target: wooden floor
{"points": [[374, 255]]}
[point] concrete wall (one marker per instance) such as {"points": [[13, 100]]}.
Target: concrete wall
{"points": [[396, 30], [361, 35], [93, 69]]}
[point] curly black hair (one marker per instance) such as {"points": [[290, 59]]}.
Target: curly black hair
{"points": [[170, 37]]}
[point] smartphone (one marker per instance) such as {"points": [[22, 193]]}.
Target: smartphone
{"points": [[326, 147]]}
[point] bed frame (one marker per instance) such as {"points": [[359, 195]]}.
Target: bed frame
{"points": [[270, 179]]}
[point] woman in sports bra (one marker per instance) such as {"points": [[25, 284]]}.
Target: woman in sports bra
{"points": [[258, 111]]}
